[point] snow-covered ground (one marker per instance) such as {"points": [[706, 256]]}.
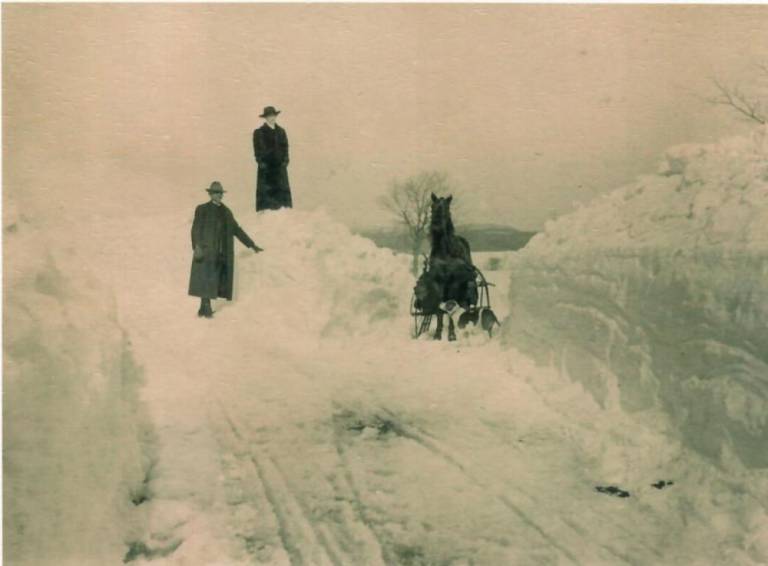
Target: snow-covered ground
{"points": [[302, 425]]}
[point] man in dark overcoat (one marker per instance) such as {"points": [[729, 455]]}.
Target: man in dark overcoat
{"points": [[213, 263], [270, 147]]}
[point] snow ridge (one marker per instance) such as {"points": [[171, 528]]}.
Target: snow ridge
{"points": [[703, 196]]}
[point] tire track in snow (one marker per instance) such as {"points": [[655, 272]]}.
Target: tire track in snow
{"points": [[358, 506], [559, 534], [324, 535], [306, 541], [419, 436], [415, 435], [596, 519], [325, 532], [430, 443], [285, 540], [248, 489], [296, 533], [315, 548]]}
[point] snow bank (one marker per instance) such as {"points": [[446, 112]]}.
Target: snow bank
{"points": [[703, 196], [318, 279], [74, 431], [654, 297], [254, 461]]}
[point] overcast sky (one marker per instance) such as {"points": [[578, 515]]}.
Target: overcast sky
{"points": [[528, 109]]}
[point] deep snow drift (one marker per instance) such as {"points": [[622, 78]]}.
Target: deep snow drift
{"points": [[76, 439], [317, 279], [654, 297], [702, 197]]}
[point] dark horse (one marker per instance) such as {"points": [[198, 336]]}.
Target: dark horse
{"points": [[450, 275]]}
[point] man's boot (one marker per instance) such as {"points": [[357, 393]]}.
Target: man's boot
{"points": [[205, 308]]}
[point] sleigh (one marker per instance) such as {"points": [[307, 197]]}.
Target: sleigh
{"points": [[476, 308]]}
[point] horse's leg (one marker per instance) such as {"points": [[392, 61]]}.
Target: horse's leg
{"points": [[451, 332], [439, 331]]}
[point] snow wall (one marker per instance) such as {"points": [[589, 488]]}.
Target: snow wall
{"points": [[76, 439], [317, 279], [655, 297]]}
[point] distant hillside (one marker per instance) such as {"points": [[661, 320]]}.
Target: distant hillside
{"points": [[482, 237]]}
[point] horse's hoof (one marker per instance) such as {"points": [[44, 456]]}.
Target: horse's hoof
{"points": [[451, 337], [437, 337]]}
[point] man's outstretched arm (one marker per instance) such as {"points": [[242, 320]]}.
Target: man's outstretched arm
{"points": [[244, 238]]}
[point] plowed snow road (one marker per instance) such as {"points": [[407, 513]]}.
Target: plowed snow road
{"points": [[279, 444]]}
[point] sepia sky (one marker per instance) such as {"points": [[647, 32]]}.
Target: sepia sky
{"points": [[529, 109]]}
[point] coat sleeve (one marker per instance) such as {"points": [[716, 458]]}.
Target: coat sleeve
{"points": [[258, 148], [197, 227], [239, 233], [286, 156]]}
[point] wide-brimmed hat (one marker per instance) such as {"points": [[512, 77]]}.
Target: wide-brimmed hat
{"points": [[216, 188], [269, 111]]}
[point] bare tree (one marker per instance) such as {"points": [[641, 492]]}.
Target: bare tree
{"points": [[747, 105], [409, 201]]}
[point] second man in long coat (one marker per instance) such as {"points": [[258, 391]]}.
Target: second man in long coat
{"points": [[270, 147]]}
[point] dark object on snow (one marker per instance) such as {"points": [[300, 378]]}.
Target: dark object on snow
{"points": [[383, 425], [612, 490], [139, 549], [270, 147], [213, 233], [661, 484]]}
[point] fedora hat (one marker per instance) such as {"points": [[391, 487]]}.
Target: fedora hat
{"points": [[269, 111], [216, 188]]}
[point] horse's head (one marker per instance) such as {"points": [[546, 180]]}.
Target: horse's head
{"points": [[441, 212]]}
